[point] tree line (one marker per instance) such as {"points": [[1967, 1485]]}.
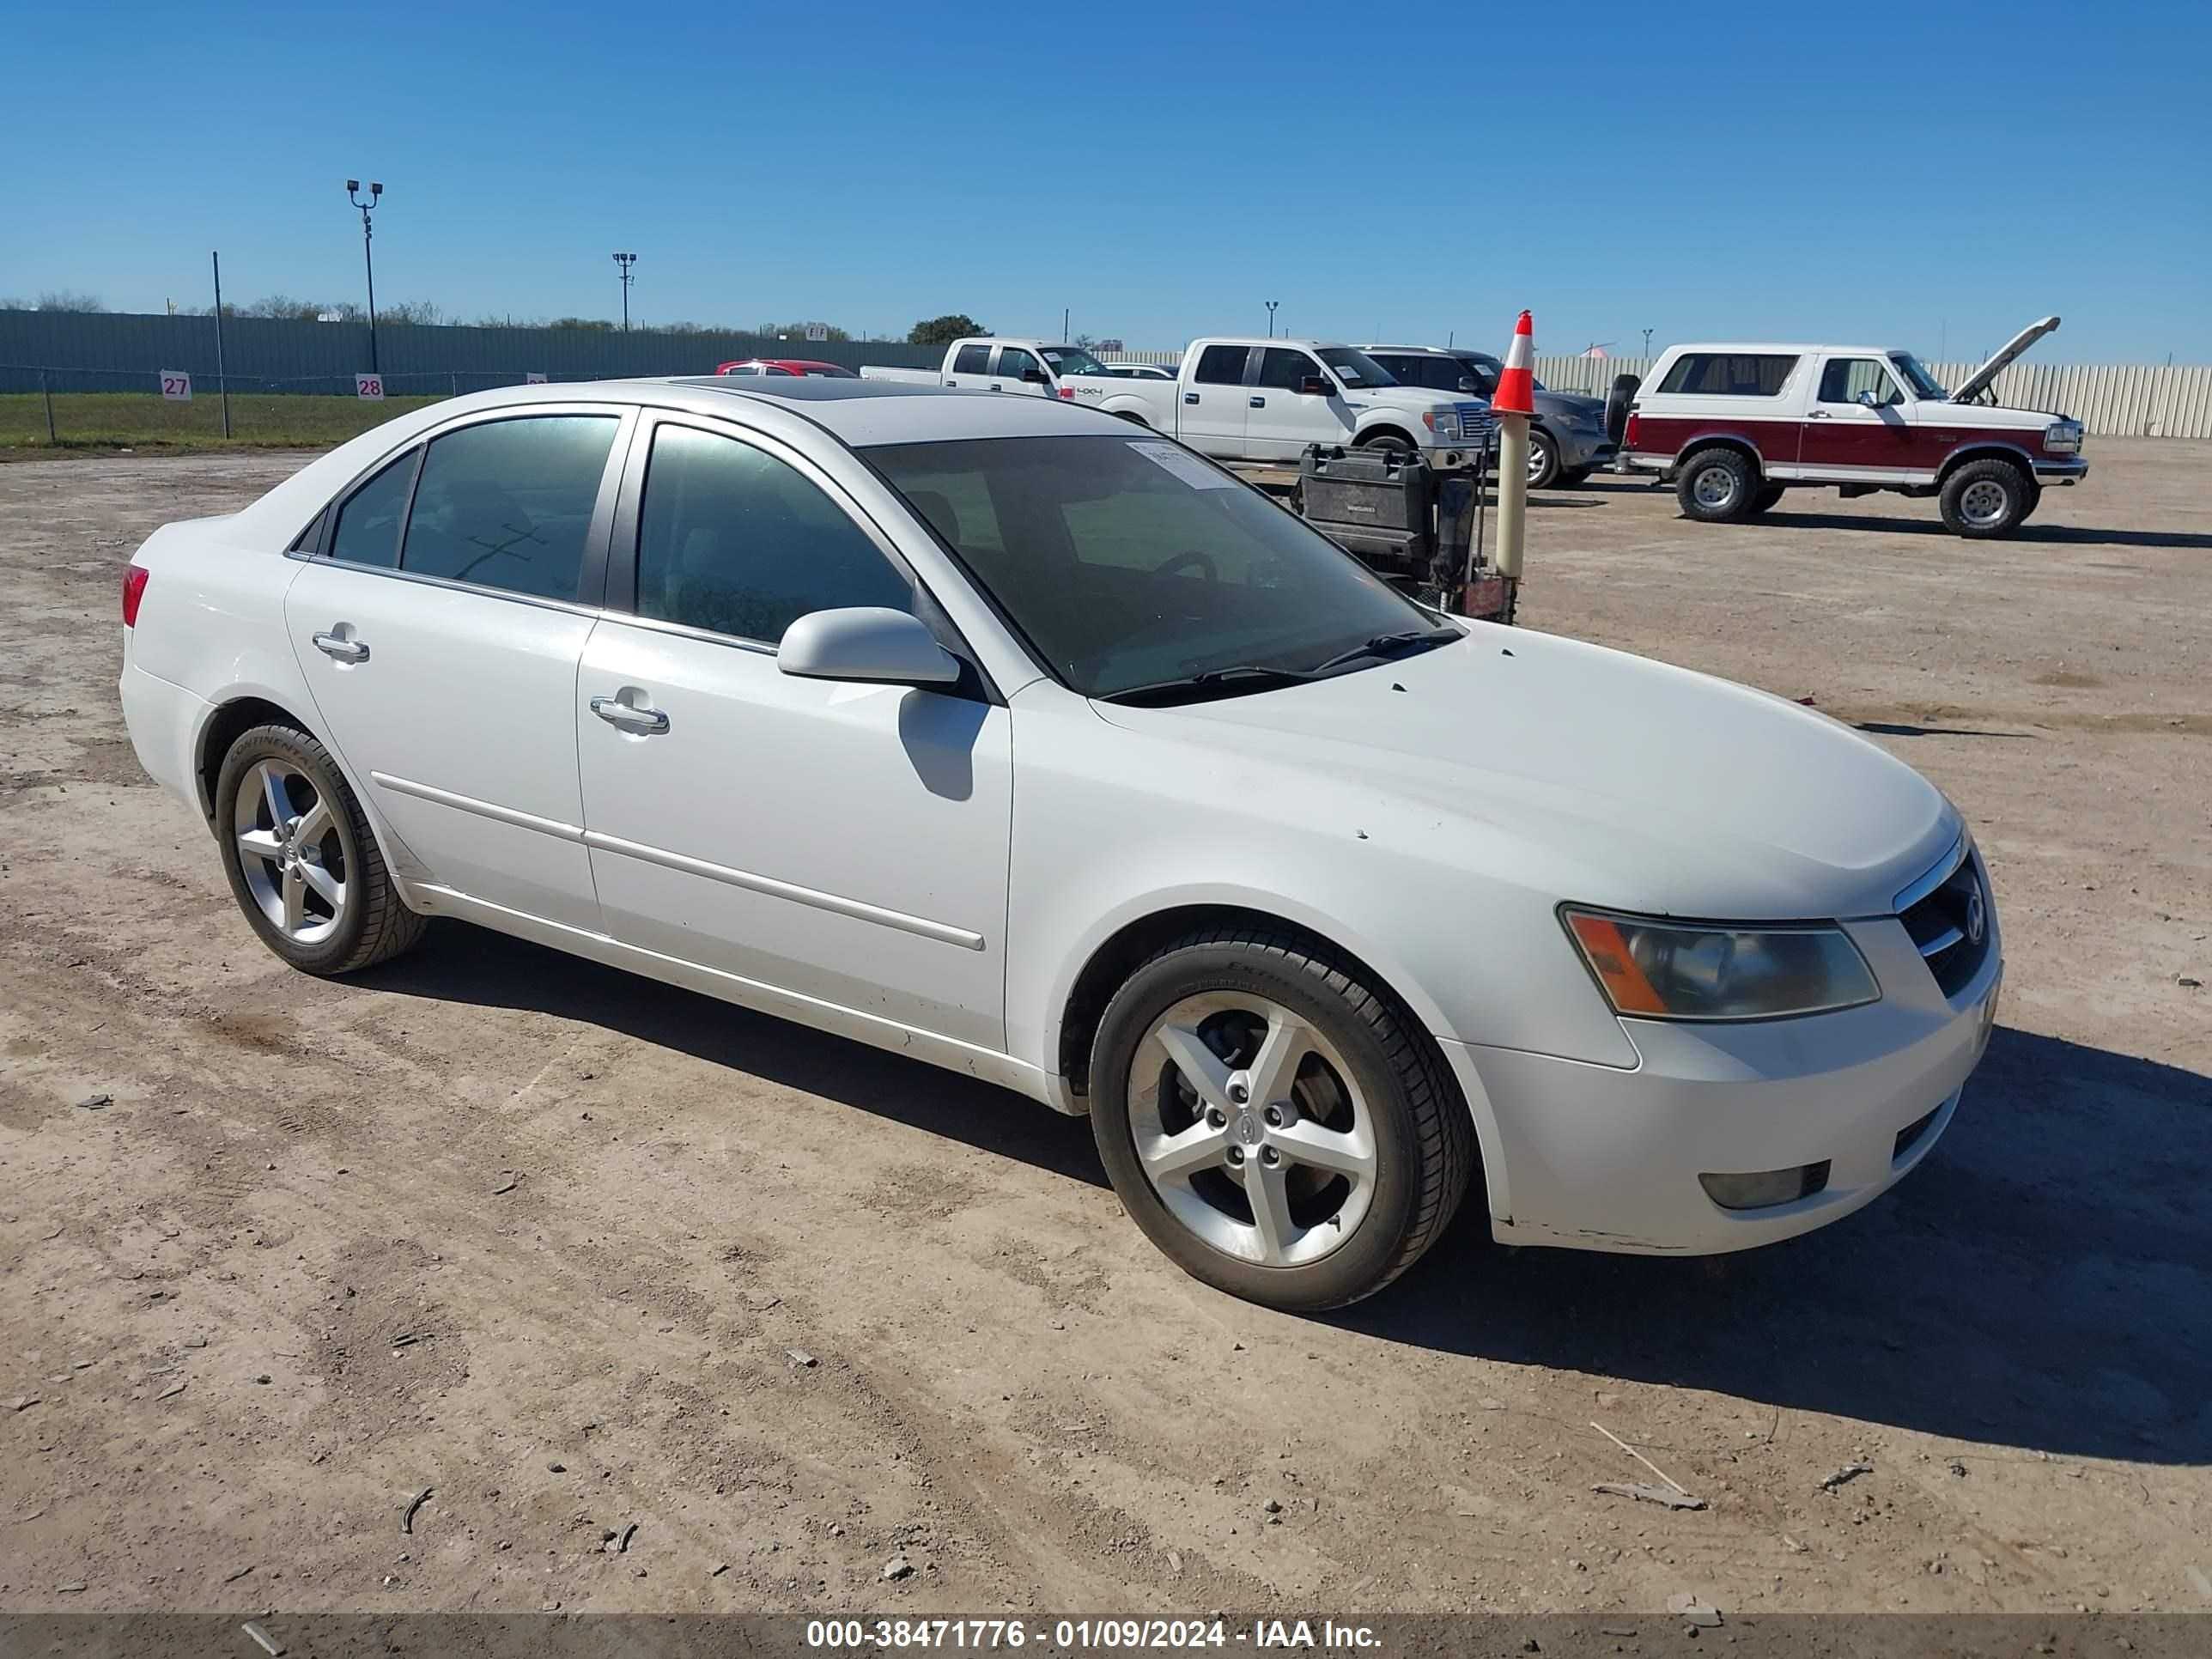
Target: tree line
{"points": [[932, 331]]}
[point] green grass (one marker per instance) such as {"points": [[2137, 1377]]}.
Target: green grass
{"points": [[104, 422]]}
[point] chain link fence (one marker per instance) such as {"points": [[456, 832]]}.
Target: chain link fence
{"points": [[47, 406]]}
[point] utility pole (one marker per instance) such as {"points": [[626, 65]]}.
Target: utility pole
{"points": [[368, 263], [1063, 323], [222, 382], [625, 261]]}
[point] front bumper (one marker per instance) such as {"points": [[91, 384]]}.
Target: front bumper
{"points": [[1605, 1158], [1581, 449], [2062, 469]]}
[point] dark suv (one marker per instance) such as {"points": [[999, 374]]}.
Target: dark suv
{"points": [[1567, 441]]}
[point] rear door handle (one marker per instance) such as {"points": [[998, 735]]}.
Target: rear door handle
{"points": [[339, 648], [630, 717], [1259, 403], [1190, 397], [995, 387]]}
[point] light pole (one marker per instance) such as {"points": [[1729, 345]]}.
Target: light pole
{"points": [[625, 261], [368, 263], [1647, 345], [1271, 304]]}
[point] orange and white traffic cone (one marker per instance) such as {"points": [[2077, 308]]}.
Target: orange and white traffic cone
{"points": [[1516, 381], [1513, 403]]}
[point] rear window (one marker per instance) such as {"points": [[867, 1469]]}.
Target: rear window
{"points": [[508, 504], [1223, 365], [1730, 374], [972, 360]]}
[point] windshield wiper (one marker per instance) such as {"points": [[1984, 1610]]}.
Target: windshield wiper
{"points": [[1390, 645], [1245, 676]]}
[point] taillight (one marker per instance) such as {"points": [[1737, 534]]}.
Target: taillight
{"points": [[1067, 393], [134, 589], [1628, 438]]}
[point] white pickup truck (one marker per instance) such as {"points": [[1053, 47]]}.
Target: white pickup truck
{"points": [[1236, 399]]}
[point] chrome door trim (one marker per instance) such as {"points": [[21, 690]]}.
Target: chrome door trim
{"points": [[483, 809], [837, 904]]}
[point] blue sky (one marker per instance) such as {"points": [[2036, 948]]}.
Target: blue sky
{"points": [[1932, 175]]}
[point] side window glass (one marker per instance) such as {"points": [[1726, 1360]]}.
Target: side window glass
{"points": [[732, 540], [972, 360], [1729, 374], [1286, 370], [1842, 378], [1223, 365], [1013, 363], [368, 523], [506, 504]]}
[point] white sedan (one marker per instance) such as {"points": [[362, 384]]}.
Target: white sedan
{"points": [[989, 731]]}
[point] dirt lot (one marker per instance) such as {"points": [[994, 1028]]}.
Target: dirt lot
{"points": [[543, 1238]]}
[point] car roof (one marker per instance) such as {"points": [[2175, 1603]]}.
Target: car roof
{"points": [[862, 412], [1777, 348]]}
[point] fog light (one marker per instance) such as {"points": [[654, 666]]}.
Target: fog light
{"points": [[1766, 1188]]}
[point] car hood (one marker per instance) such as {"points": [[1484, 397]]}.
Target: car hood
{"points": [[1569, 403], [1589, 773], [1400, 396], [2003, 358]]}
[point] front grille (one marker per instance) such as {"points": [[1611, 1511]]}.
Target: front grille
{"points": [[1951, 926], [1476, 426]]}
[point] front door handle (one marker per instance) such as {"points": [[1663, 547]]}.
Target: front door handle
{"points": [[339, 648], [630, 717], [1259, 403], [1190, 397], [1818, 415], [995, 387]]}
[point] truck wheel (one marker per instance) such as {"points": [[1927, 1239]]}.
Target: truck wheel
{"points": [[1280, 1130], [1986, 499], [1389, 440], [1543, 459], [1717, 486], [1769, 497]]}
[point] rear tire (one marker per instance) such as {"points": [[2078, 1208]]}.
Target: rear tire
{"points": [[1717, 486], [1768, 498], [1360, 1145], [302, 861], [1984, 500]]}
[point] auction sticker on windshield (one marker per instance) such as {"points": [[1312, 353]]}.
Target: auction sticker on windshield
{"points": [[1192, 470]]}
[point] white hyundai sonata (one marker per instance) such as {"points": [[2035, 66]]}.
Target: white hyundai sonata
{"points": [[1011, 737]]}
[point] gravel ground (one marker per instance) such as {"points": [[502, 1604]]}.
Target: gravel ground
{"points": [[575, 1251]]}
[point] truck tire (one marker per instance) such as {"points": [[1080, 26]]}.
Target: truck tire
{"points": [[1984, 499], [1543, 458], [1768, 498], [1717, 486], [1202, 1006], [1617, 401], [1390, 441]]}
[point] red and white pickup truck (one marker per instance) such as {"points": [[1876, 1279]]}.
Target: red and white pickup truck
{"points": [[1733, 426]]}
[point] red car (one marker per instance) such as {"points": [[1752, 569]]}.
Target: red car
{"points": [[787, 366]]}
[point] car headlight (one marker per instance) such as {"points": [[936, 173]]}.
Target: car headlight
{"points": [[2062, 438], [1655, 969]]}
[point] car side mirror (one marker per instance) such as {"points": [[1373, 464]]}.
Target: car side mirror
{"points": [[1035, 377], [1468, 388], [871, 644], [1314, 385]]}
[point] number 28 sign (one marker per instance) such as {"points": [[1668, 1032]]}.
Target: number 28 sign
{"points": [[370, 387], [176, 386]]}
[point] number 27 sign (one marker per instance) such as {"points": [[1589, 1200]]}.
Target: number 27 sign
{"points": [[176, 386], [370, 387]]}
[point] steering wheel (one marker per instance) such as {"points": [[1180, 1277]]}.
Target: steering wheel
{"points": [[1203, 560]]}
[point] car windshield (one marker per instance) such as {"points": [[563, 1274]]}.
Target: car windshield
{"points": [[1923, 384], [1134, 567], [831, 372], [1483, 369], [1072, 359], [1355, 367]]}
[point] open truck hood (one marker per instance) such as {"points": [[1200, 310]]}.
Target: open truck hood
{"points": [[2012, 348]]}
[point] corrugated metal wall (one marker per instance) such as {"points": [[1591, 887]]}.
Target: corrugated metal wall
{"points": [[116, 352]]}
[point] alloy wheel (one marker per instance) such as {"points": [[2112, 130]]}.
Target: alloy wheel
{"points": [[289, 850], [1253, 1129], [1983, 502]]}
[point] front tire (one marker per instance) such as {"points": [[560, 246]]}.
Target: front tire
{"points": [[1984, 499], [302, 861], [1716, 486], [1768, 498], [1543, 459], [1280, 1129]]}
